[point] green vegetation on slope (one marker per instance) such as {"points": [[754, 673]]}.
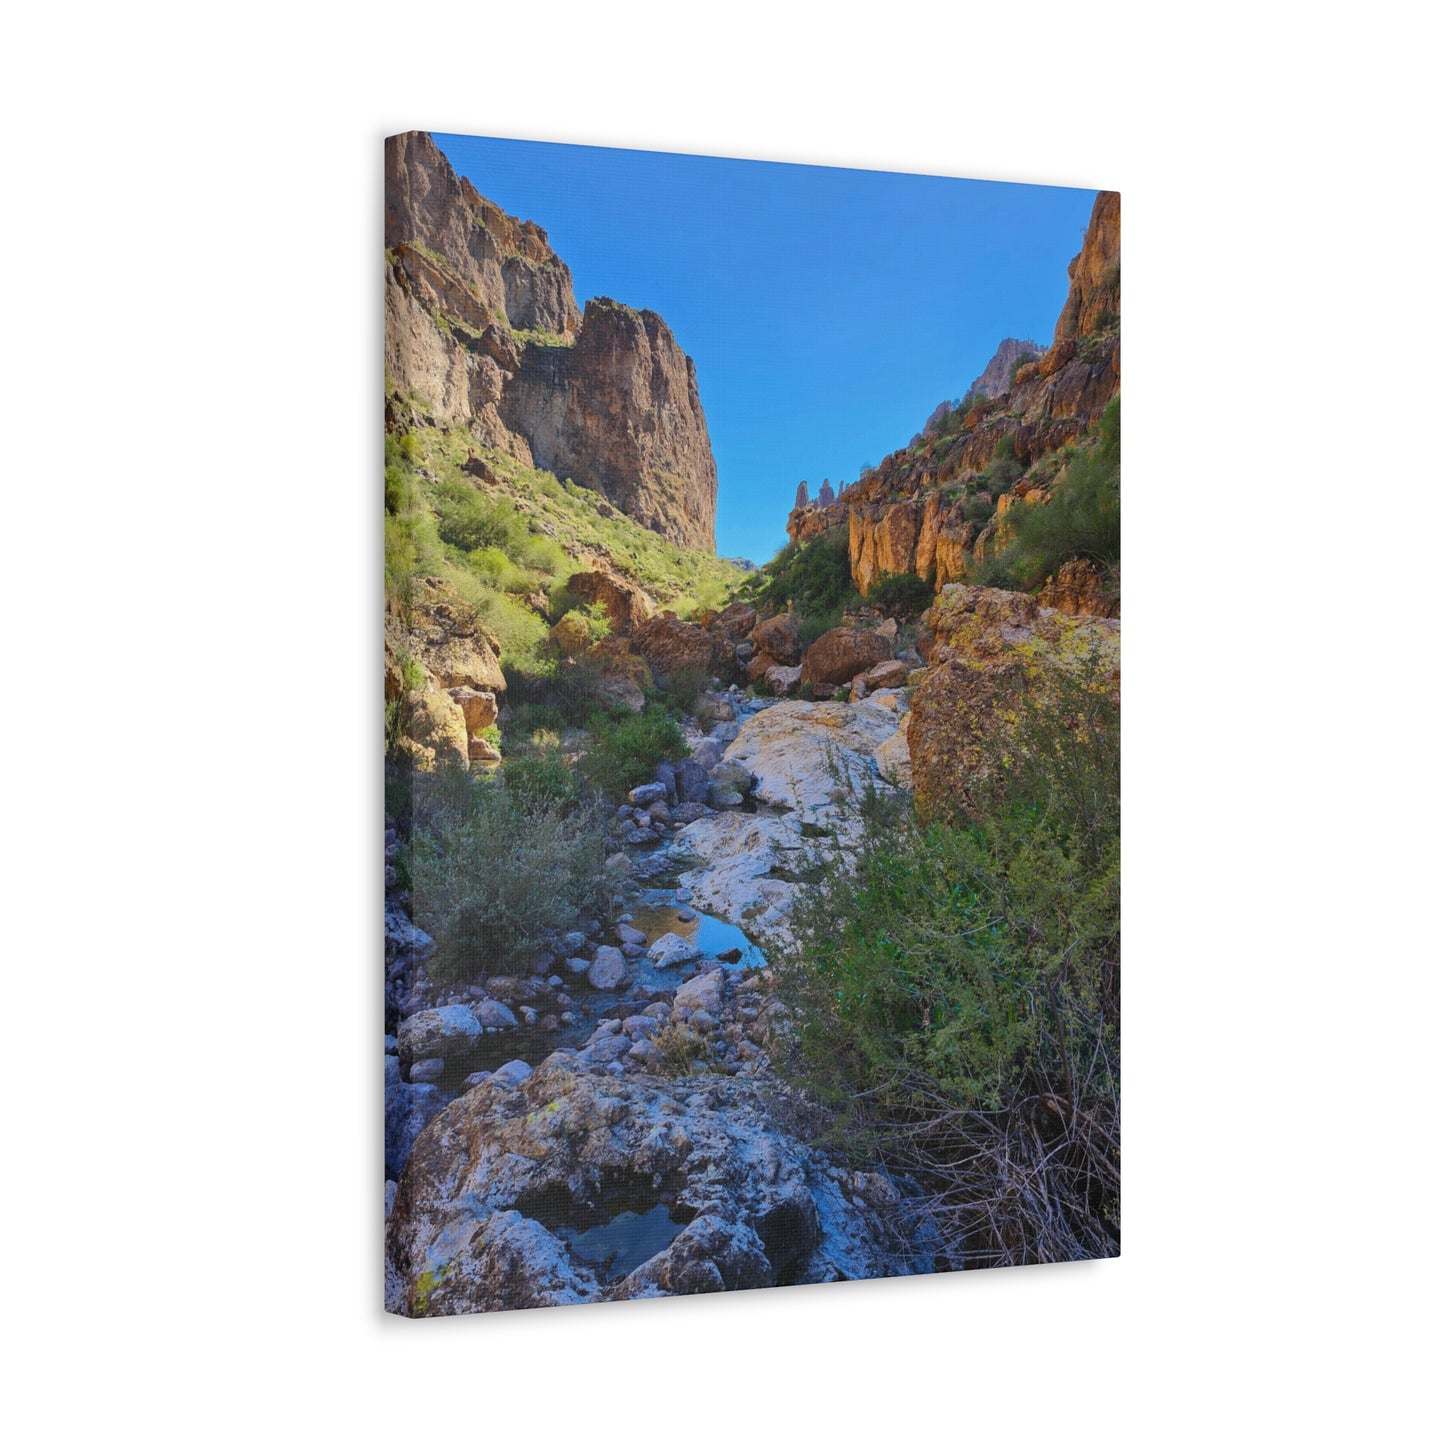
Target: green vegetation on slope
{"points": [[813, 578], [1080, 520], [498, 542]]}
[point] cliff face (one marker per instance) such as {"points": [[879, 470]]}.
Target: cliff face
{"points": [[912, 513], [994, 379], [481, 324], [619, 411]]}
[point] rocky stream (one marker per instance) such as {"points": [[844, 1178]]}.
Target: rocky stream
{"points": [[610, 1126]]}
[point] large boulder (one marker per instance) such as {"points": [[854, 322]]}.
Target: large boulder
{"points": [[736, 621], [571, 635], [779, 639], [503, 1177], [838, 656], [433, 730], [608, 969], [438, 1033], [671, 646], [626, 604]]}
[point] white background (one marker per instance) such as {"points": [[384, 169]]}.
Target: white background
{"points": [[192, 332]]}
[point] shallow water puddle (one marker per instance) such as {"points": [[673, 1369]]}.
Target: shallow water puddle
{"points": [[613, 1250], [712, 935]]}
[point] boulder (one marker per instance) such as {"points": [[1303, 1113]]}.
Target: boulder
{"points": [[479, 750], [428, 1071], [571, 635], [626, 604], [737, 620], [988, 646], [671, 646], [841, 654], [479, 708], [886, 674], [409, 1109], [608, 969], [433, 730], [493, 1015], [511, 1074], [642, 796], [704, 991], [672, 949], [444, 1033], [778, 638], [782, 681], [692, 781]]}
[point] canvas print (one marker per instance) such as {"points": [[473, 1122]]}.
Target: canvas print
{"points": [[752, 687]]}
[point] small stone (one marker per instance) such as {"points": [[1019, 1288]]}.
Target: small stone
{"points": [[427, 1071], [573, 941], [640, 797], [576, 965], [555, 981], [628, 934], [493, 1015], [529, 1016], [685, 915], [512, 1074]]}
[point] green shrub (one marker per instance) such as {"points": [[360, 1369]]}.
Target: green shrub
{"points": [[1082, 516], [978, 508], [629, 748], [955, 989], [900, 594], [816, 577], [499, 866], [543, 778], [468, 520], [686, 686], [813, 625]]}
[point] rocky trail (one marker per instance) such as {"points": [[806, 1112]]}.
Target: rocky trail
{"points": [[610, 1126]]}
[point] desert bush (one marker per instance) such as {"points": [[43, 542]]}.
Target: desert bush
{"points": [[499, 865], [468, 520], [684, 689], [815, 578], [1082, 517], [629, 748], [900, 594], [954, 989]]}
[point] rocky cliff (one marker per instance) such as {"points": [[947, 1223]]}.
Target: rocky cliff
{"points": [[997, 376], [483, 330], [928, 507]]}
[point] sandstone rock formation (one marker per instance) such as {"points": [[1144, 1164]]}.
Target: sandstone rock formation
{"points": [[841, 654], [481, 324], [985, 645], [912, 513], [671, 646], [627, 605]]}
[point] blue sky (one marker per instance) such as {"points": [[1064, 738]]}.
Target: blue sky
{"points": [[828, 310]]}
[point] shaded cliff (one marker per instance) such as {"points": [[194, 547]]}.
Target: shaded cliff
{"points": [[482, 329], [936, 506]]}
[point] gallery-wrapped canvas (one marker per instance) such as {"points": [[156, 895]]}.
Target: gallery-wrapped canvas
{"points": [[752, 724]]}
